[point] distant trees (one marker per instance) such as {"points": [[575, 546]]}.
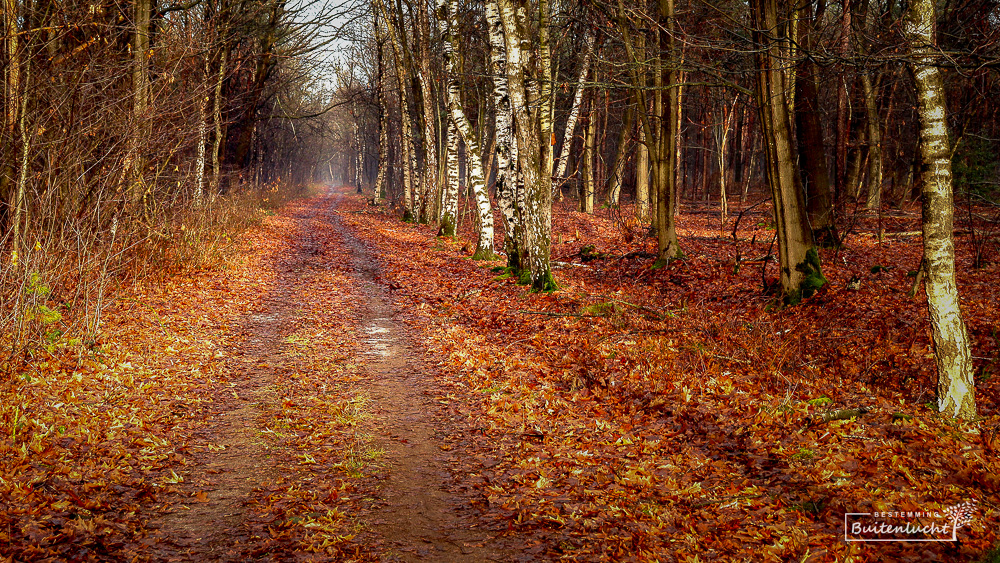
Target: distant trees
{"points": [[657, 64]]}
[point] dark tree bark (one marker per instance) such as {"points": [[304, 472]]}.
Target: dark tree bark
{"points": [[799, 262]]}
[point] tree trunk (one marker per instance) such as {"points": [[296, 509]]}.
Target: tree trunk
{"points": [[531, 107], [621, 157], [473, 160], [12, 103], [587, 185], [798, 259], [574, 115], [874, 145], [199, 161], [449, 196], [546, 100], [358, 167], [669, 112], [642, 203], [20, 208], [134, 163], [721, 131], [956, 388], [811, 148], [383, 113], [642, 178], [843, 107], [430, 181], [403, 71], [217, 120], [266, 61], [506, 178], [855, 164]]}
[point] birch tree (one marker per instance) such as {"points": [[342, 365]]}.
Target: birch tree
{"points": [[447, 10], [956, 389], [403, 72], [383, 110], [529, 83], [449, 193], [506, 176], [429, 185], [199, 161], [217, 120], [574, 113]]}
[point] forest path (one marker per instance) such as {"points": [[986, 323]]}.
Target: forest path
{"points": [[419, 519], [406, 513]]}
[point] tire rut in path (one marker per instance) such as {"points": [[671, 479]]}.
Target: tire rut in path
{"points": [[420, 520]]}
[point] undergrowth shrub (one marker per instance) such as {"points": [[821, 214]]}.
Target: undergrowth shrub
{"points": [[53, 292]]}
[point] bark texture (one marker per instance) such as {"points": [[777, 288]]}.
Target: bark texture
{"points": [[811, 149], [506, 178], [529, 85], [956, 388], [430, 180], [473, 154], [799, 263]]}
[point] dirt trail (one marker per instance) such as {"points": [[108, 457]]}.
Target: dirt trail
{"points": [[419, 519], [415, 518]]}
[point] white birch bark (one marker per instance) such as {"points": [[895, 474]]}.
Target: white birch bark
{"points": [[410, 198], [574, 114], [429, 185], [956, 388], [473, 152], [506, 179], [358, 153], [531, 113], [199, 161], [383, 126], [449, 198], [546, 102], [217, 121]]}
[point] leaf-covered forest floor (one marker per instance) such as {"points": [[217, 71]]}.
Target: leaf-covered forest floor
{"points": [[352, 388]]}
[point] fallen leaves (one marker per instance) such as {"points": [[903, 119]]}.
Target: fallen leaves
{"points": [[634, 415], [644, 415]]}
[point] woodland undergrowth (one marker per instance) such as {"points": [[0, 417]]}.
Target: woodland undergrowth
{"points": [[53, 293]]}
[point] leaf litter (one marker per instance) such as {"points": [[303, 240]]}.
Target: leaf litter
{"points": [[634, 415]]}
